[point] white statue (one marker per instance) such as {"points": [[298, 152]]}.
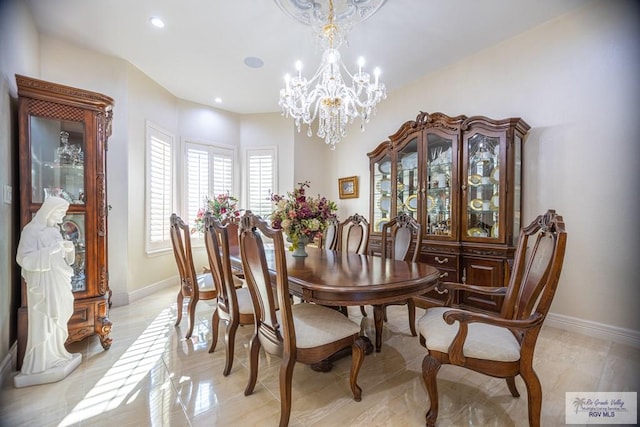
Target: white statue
{"points": [[45, 258]]}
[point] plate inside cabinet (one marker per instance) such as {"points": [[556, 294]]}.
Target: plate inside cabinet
{"points": [[495, 202], [385, 204], [476, 204], [381, 223], [477, 232], [495, 175], [385, 186], [412, 202], [474, 180], [71, 231], [410, 161], [432, 203], [385, 167], [494, 230]]}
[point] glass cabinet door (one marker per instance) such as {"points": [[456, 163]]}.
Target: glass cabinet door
{"points": [[382, 192], [73, 230], [440, 176], [57, 169], [57, 159], [407, 181], [482, 203]]}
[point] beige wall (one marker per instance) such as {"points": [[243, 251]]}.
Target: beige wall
{"points": [[573, 80], [19, 54]]}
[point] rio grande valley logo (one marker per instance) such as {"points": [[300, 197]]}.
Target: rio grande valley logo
{"points": [[601, 408]]}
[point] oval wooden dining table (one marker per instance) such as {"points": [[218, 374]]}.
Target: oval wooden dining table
{"points": [[338, 278]]}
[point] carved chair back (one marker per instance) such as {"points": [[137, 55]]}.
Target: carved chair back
{"points": [[401, 231], [353, 234]]}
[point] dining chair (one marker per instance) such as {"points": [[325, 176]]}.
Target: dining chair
{"points": [[501, 345], [353, 234], [193, 286], [233, 230], [233, 305], [329, 240], [306, 333], [398, 235]]}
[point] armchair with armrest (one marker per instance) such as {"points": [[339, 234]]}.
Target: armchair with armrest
{"points": [[501, 345]]}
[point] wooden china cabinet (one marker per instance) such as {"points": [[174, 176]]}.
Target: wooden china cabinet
{"points": [[63, 143], [461, 178]]}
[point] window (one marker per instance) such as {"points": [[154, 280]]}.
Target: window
{"points": [[160, 188], [261, 170], [209, 171]]}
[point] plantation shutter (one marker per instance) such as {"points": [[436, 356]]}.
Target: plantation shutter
{"points": [[159, 188], [222, 177], [197, 179], [261, 180], [209, 172]]}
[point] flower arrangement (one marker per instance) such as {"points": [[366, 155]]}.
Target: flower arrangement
{"points": [[223, 207], [301, 217]]}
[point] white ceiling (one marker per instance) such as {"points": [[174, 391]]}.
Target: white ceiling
{"points": [[199, 54]]}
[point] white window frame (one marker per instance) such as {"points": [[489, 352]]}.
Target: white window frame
{"points": [[153, 133], [249, 154], [212, 150]]}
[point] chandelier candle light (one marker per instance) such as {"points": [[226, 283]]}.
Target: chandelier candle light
{"points": [[331, 101]]}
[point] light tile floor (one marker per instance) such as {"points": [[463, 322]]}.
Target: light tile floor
{"points": [[152, 376]]}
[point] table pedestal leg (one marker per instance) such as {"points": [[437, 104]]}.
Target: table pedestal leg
{"points": [[326, 364], [378, 320]]}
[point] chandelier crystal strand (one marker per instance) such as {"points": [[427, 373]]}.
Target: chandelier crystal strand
{"points": [[331, 101]]}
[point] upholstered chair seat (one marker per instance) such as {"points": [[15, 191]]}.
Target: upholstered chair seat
{"points": [[315, 325], [205, 282], [245, 305], [238, 282], [487, 342]]}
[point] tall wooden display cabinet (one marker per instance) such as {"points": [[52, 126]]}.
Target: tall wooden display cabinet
{"points": [[63, 134], [461, 178]]}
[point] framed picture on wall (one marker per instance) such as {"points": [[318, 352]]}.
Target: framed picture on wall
{"points": [[348, 187]]}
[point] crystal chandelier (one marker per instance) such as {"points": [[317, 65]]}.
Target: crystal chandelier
{"points": [[326, 96]]}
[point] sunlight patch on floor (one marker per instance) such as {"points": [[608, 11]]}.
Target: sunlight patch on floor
{"points": [[118, 384]]}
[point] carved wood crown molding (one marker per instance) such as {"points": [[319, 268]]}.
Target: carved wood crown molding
{"points": [[496, 125], [40, 89], [426, 120]]}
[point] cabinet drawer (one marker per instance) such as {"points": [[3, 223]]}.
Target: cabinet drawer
{"points": [[83, 315], [441, 261], [483, 272]]}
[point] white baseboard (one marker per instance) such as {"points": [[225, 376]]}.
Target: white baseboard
{"points": [[594, 329], [153, 288], [8, 366]]}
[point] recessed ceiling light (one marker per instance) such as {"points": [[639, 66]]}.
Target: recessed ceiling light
{"points": [[217, 100], [156, 22], [253, 62]]}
